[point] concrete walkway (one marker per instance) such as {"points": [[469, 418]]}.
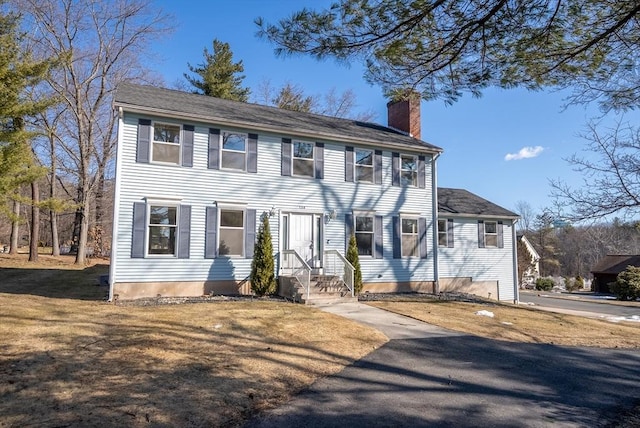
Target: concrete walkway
{"points": [[426, 376]]}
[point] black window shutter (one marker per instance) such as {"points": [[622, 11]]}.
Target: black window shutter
{"points": [[187, 145], [348, 164], [377, 232], [144, 141], [377, 167], [214, 148], [252, 153], [450, 233], [250, 234], [319, 161], [480, 234], [211, 233], [395, 169], [139, 230], [422, 237], [397, 241], [421, 174], [500, 235], [286, 156], [184, 232]]}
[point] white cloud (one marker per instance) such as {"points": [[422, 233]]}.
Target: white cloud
{"points": [[524, 153]]}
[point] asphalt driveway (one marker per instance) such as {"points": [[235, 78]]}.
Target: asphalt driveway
{"points": [[437, 378]]}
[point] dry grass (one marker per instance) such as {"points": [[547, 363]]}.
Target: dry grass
{"points": [[518, 324], [82, 362]]}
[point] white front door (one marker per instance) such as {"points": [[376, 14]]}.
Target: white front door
{"points": [[301, 237]]}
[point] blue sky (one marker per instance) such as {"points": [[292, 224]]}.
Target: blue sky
{"points": [[478, 135]]}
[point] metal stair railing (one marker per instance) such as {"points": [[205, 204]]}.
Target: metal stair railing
{"points": [[336, 264], [295, 266]]}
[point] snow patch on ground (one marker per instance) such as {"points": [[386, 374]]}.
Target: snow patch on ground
{"points": [[485, 313], [632, 318]]}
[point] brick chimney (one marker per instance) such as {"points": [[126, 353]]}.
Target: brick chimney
{"points": [[405, 115]]}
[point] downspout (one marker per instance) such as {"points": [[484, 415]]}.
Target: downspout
{"points": [[434, 222], [116, 207], [514, 249]]}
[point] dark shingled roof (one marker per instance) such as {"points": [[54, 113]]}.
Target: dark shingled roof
{"points": [[614, 264], [463, 202], [178, 104]]}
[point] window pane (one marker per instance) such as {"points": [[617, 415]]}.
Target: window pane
{"points": [[409, 245], [231, 218], [408, 163], [162, 240], [231, 141], [365, 243], [409, 178], [364, 173], [442, 239], [364, 224], [409, 225], [166, 133], [162, 215], [231, 242], [364, 157], [163, 152], [303, 167], [302, 150], [491, 240], [233, 160], [490, 227], [442, 225]]}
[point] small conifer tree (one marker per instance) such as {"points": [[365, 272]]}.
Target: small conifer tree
{"points": [[262, 267], [352, 257]]}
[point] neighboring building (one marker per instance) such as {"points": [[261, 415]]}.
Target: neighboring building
{"points": [[194, 174], [532, 273], [476, 242], [607, 270]]}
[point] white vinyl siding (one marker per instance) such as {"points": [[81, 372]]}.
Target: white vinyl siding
{"points": [[201, 187], [479, 264]]}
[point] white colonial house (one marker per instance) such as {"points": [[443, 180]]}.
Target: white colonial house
{"points": [[195, 174]]}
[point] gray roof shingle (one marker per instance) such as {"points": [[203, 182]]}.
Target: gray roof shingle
{"points": [[463, 202], [178, 104]]}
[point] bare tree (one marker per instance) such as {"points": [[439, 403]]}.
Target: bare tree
{"points": [[527, 215], [103, 43], [611, 179], [292, 97]]}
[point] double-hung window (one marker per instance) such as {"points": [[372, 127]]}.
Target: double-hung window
{"points": [[234, 150], [231, 236], [162, 229], [442, 233], [364, 232], [409, 237], [409, 170], [490, 234], [364, 165], [166, 143], [303, 162]]}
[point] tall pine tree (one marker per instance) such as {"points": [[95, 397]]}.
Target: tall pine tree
{"points": [[218, 76], [262, 267], [18, 72]]}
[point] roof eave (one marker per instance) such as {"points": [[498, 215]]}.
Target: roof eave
{"points": [[246, 124], [478, 216]]}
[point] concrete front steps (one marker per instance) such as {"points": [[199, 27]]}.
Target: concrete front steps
{"points": [[323, 290]]}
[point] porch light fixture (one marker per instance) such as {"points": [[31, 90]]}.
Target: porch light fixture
{"points": [[273, 211], [331, 215]]}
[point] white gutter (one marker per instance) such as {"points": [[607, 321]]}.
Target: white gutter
{"points": [[116, 207], [434, 222], [514, 245]]}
